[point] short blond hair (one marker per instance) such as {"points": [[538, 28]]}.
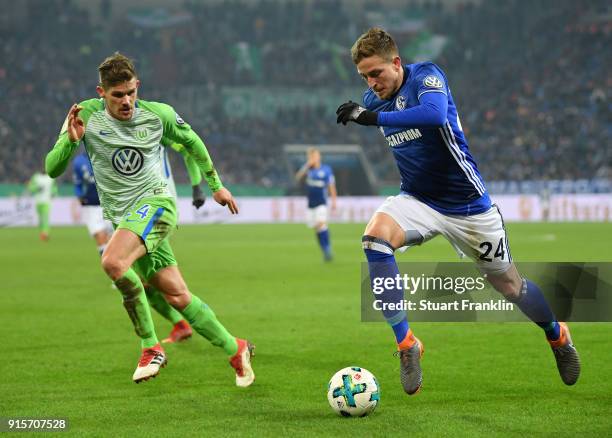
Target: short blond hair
{"points": [[375, 41], [115, 70]]}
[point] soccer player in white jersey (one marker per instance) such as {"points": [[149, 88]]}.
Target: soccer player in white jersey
{"points": [[101, 230], [43, 188], [442, 192], [122, 136]]}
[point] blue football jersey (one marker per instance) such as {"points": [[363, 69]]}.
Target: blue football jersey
{"points": [[317, 182], [435, 164], [84, 182]]}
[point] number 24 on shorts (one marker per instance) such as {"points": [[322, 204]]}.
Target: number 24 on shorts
{"points": [[500, 251]]}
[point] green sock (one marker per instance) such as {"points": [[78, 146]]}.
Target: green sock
{"points": [[159, 303], [43, 215], [203, 320], [135, 302]]}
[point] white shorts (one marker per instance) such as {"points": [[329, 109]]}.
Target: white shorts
{"points": [[316, 215], [93, 218], [482, 237]]}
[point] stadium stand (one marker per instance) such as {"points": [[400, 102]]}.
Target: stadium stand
{"points": [[532, 88]]}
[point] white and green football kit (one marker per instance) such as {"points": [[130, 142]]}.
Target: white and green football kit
{"points": [[126, 155], [43, 188], [127, 162]]}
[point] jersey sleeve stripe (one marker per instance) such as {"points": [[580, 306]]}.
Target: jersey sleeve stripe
{"points": [[431, 91], [166, 163], [467, 167], [459, 157], [464, 158]]}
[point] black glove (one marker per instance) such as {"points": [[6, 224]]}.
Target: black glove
{"points": [[353, 112], [198, 197]]}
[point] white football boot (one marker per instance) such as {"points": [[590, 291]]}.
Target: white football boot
{"points": [[241, 362], [150, 362]]}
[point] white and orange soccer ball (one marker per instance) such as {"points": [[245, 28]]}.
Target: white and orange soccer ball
{"points": [[353, 392]]}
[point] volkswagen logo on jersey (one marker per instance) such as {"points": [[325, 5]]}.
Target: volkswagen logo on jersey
{"points": [[127, 161], [432, 82], [142, 134], [400, 103]]}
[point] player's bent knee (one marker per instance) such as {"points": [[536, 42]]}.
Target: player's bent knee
{"points": [[373, 243], [178, 301], [114, 267], [384, 227]]}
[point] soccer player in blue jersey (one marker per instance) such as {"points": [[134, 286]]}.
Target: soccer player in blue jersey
{"points": [[320, 182], [85, 191], [442, 192]]}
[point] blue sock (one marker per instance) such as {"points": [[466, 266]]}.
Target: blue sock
{"points": [[382, 265], [323, 236], [533, 304]]}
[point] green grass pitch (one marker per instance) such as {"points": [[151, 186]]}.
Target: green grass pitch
{"points": [[68, 349]]}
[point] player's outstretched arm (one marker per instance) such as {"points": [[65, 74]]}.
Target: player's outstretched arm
{"points": [[177, 130], [221, 195], [431, 113], [353, 112], [224, 197], [70, 136]]}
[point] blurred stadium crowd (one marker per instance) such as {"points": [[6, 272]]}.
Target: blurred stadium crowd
{"points": [[531, 80]]}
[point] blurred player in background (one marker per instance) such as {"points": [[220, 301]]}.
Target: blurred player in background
{"points": [[545, 203], [123, 135], [43, 188], [320, 183], [442, 192]]}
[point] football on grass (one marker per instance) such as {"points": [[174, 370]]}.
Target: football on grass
{"points": [[353, 392]]}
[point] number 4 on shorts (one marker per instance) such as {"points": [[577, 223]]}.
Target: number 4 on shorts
{"points": [[143, 211]]}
